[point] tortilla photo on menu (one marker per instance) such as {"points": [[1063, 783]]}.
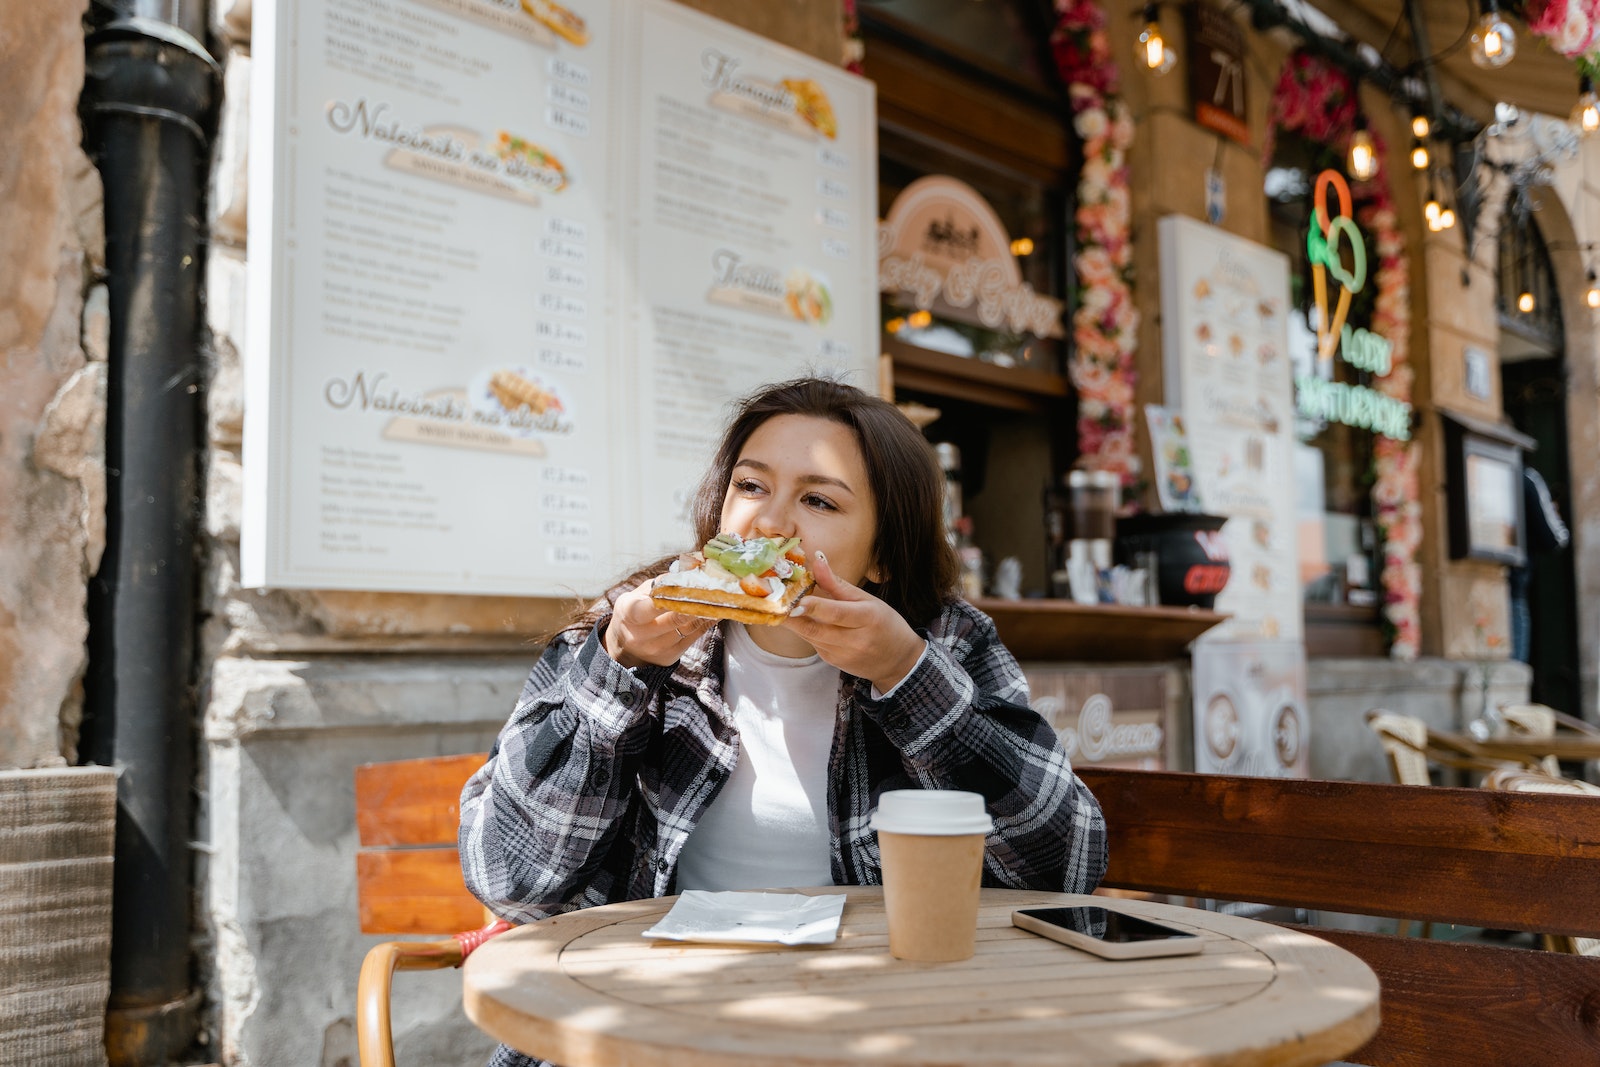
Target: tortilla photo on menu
{"points": [[509, 147], [515, 392], [812, 104], [807, 297], [564, 21]]}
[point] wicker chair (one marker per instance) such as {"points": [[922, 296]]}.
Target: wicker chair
{"points": [[1405, 741], [1411, 749], [1533, 720], [1514, 779], [1539, 720]]}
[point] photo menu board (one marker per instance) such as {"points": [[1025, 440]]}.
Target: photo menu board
{"points": [[1224, 318], [508, 264]]}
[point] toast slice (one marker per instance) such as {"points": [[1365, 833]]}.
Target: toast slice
{"points": [[720, 604]]}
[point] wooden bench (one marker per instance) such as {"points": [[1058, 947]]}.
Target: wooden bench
{"points": [[408, 881], [1509, 861]]}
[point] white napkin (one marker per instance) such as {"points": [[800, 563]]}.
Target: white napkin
{"points": [[781, 918]]}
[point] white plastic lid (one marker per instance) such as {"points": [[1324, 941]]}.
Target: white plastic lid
{"points": [[931, 811]]}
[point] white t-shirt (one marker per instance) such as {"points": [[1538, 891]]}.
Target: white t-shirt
{"points": [[768, 827]]}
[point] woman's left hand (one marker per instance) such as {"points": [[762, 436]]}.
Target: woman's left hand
{"points": [[854, 630]]}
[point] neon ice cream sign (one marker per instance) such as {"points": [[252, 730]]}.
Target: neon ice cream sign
{"points": [[1329, 239]]}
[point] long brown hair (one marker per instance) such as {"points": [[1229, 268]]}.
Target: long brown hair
{"points": [[918, 565]]}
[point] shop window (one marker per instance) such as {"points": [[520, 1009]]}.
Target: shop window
{"points": [[966, 94], [1031, 213], [1337, 537], [1526, 299], [999, 38]]}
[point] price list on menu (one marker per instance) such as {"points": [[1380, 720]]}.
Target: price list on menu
{"points": [[509, 261]]}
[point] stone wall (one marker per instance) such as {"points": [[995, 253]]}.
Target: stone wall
{"points": [[52, 382], [302, 686], [1445, 694]]}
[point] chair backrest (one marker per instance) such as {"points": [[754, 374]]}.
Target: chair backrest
{"points": [[408, 875], [1515, 779], [1470, 856], [1560, 720], [1405, 740], [1534, 720]]}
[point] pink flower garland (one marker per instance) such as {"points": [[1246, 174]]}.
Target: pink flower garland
{"points": [[1571, 26], [854, 49], [1317, 100], [1105, 323]]}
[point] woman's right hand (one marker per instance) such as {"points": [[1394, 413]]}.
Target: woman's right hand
{"points": [[641, 633]]}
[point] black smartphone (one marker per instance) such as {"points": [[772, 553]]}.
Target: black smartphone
{"points": [[1116, 935]]}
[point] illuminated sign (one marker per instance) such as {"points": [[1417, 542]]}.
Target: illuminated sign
{"points": [[1317, 395], [945, 250]]}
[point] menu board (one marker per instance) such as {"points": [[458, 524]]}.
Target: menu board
{"points": [[510, 261], [1224, 316]]}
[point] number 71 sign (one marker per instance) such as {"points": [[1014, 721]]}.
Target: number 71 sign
{"points": [[1216, 71]]}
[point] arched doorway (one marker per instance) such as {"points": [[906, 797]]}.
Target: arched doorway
{"points": [[1534, 380]]}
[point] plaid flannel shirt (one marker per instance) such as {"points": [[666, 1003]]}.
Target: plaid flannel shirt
{"points": [[601, 773]]}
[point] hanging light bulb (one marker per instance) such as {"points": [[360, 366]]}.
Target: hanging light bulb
{"points": [[1494, 42], [1447, 219], [1363, 153], [1525, 302], [1419, 156], [1586, 112], [1420, 126], [1151, 47], [1431, 211], [1592, 296]]}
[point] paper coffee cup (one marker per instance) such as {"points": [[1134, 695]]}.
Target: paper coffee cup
{"points": [[931, 844]]}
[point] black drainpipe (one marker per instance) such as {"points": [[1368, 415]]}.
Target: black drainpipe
{"points": [[147, 98]]}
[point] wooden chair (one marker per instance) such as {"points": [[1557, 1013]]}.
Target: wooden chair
{"points": [[1471, 856], [1516, 780], [408, 880]]}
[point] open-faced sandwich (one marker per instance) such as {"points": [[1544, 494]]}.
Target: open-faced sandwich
{"points": [[753, 580]]}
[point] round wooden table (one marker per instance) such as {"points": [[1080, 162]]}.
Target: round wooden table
{"points": [[586, 990]]}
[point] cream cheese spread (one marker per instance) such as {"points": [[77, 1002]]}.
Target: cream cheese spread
{"points": [[699, 579]]}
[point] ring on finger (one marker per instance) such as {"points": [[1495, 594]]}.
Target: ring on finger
{"points": [[680, 633]]}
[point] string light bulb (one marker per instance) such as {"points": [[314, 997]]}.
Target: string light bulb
{"points": [[1447, 219], [1525, 302], [1363, 153], [1022, 246], [1431, 211], [1420, 126], [1586, 112], [1592, 295], [1151, 47], [1419, 156], [1494, 42]]}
